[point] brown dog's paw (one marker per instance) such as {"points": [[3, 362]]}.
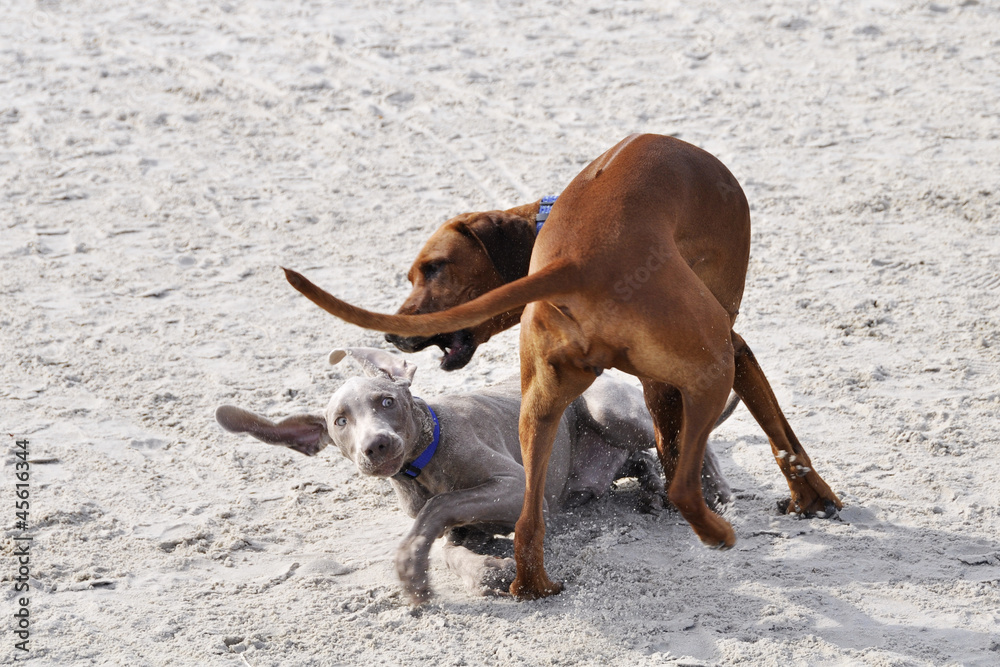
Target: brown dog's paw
{"points": [[726, 541], [537, 591], [821, 508], [811, 496], [725, 545]]}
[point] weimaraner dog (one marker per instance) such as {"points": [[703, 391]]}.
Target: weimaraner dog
{"points": [[456, 464]]}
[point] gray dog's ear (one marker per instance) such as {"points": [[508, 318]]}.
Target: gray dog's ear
{"points": [[303, 433], [378, 363]]}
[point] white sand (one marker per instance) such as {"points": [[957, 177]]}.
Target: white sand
{"points": [[159, 164]]}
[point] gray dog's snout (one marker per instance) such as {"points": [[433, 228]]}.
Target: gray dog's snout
{"points": [[378, 448]]}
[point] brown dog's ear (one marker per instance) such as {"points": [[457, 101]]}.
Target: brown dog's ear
{"points": [[507, 240], [303, 433]]}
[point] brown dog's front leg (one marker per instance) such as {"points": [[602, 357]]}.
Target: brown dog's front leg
{"points": [[811, 495], [546, 392], [537, 436]]}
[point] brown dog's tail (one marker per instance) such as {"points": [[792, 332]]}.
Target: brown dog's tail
{"points": [[554, 279]]}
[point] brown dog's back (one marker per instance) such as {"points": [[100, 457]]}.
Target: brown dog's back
{"points": [[604, 209]]}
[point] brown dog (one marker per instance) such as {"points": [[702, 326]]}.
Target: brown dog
{"points": [[640, 266]]}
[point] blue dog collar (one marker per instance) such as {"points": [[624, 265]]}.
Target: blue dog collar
{"points": [[413, 469], [543, 211]]}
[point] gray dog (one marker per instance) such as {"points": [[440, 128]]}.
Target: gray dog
{"points": [[456, 464]]}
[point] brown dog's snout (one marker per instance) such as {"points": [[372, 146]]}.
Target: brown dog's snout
{"points": [[410, 344], [404, 344]]}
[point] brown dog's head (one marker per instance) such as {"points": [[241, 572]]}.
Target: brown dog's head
{"points": [[467, 256]]}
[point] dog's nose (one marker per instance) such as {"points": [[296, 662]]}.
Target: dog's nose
{"points": [[401, 343], [378, 448]]}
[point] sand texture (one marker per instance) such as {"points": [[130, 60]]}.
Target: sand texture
{"points": [[160, 161]]}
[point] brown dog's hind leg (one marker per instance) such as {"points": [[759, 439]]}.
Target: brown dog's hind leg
{"points": [[665, 405], [811, 495], [683, 423]]}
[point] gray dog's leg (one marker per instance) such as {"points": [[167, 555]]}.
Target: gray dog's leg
{"points": [[714, 485], [496, 501], [645, 467], [482, 574], [617, 412]]}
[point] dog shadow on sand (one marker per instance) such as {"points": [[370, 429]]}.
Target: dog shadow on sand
{"points": [[857, 587]]}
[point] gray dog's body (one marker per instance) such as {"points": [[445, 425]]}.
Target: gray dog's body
{"points": [[475, 477]]}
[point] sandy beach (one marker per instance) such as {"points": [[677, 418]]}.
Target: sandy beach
{"points": [[159, 163]]}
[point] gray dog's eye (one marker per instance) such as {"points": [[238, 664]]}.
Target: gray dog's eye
{"points": [[340, 421], [387, 402]]}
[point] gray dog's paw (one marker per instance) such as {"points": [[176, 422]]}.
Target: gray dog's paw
{"points": [[498, 574], [411, 568], [652, 501]]}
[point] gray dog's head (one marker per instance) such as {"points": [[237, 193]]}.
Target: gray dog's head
{"points": [[372, 419]]}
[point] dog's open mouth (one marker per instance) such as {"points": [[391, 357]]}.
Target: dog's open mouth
{"points": [[458, 347]]}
